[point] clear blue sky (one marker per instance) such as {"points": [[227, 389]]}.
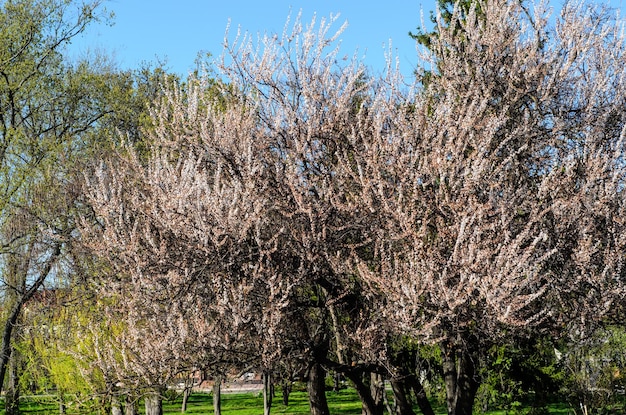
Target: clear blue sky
{"points": [[176, 30]]}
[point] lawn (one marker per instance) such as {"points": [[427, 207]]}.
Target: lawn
{"points": [[341, 403], [344, 402]]}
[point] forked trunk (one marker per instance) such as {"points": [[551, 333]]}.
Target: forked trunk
{"points": [[420, 395], [460, 377], [372, 402], [316, 387]]}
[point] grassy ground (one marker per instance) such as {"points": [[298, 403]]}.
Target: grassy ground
{"points": [[344, 402], [341, 403]]}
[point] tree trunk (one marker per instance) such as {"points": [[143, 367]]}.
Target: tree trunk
{"points": [[267, 393], [7, 334], [153, 403], [316, 387], [286, 391], [12, 396], [420, 395], [217, 395], [372, 403], [402, 404], [116, 406], [16, 310], [186, 393], [187, 389], [377, 391], [459, 370], [131, 407]]}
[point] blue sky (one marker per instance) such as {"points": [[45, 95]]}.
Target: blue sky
{"points": [[176, 30]]}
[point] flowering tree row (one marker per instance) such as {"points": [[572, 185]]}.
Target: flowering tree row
{"points": [[301, 209]]}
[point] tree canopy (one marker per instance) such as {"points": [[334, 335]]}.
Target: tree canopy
{"points": [[288, 212], [483, 205]]}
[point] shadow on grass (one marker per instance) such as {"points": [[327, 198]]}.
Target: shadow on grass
{"points": [[344, 402]]}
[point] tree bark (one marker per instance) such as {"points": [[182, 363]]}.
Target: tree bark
{"points": [[286, 391], [186, 393], [336, 381], [153, 403], [217, 395], [377, 390], [131, 406], [7, 334], [316, 388], [371, 400], [116, 406], [267, 393], [460, 379], [420, 395], [12, 396], [402, 404]]}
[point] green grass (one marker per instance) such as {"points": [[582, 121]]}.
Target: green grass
{"points": [[344, 402]]}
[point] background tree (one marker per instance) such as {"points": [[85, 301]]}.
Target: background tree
{"points": [[46, 106]]}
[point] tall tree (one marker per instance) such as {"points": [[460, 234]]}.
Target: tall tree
{"points": [[231, 200], [46, 107], [486, 205], [500, 187]]}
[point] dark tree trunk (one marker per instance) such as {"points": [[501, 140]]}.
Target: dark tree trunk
{"points": [[460, 378], [371, 401], [316, 387], [12, 396], [27, 294], [286, 391], [400, 393], [267, 393], [336, 381], [420, 395], [7, 334], [153, 403], [217, 395]]}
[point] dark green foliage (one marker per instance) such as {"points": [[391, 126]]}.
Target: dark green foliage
{"points": [[447, 9], [522, 375]]}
